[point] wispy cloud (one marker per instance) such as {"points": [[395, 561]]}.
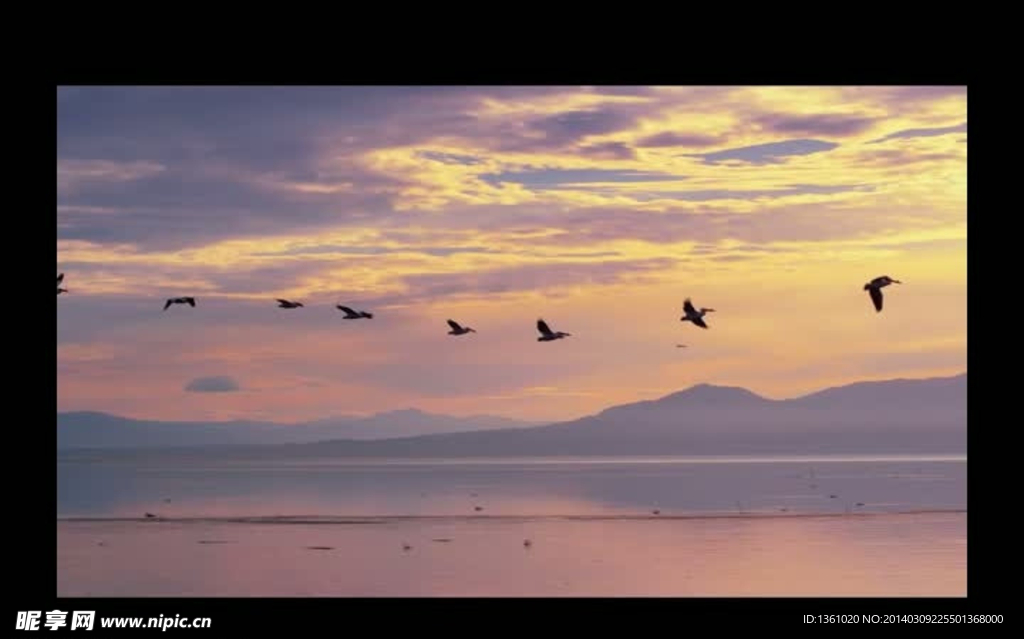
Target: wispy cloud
{"points": [[769, 153], [554, 178], [829, 124], [72, 174], [672, 139], [924, 132]]}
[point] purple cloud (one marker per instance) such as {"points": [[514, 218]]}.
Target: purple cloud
{"points": [[556, 178], [669, 138], [609, 151], [450, 158], [770, 153], [566, 128], [826, 124], [709, 195], [224, 175], [924, 132]]}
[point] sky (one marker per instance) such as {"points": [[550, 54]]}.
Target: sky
{"points": [[597, 208]]}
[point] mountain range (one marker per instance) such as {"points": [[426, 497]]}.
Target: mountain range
{"points": [[102, 430], [892, 416]]}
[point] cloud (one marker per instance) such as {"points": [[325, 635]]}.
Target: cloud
{"points": [[827, 124], [450, 158], [183, 206], [923, 132], [220, 384], [710, 195], [338, 249], [565, 128], [555, 178], [669, 138], [905, 157], [609, 151], [769, 153], [74, 173]]}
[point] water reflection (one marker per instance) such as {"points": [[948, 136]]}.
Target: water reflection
{"points": [[521, 488], [885, 555]]}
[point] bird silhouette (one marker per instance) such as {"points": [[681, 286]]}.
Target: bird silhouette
{"points": [[354, 314], [459, 330], [191, 301], [546, 334], [693, 315], [287, 304], [874, 289]]}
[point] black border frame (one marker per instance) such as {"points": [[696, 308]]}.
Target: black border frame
{"points": [[816, 63]]}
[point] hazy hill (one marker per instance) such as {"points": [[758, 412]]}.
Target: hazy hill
{"points": [[101, 430], [910, 416]]}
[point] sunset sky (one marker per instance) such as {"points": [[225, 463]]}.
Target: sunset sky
{"points": [[597, 208]]}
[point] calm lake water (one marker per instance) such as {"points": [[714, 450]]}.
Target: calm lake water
{"points": [[824, 526]]}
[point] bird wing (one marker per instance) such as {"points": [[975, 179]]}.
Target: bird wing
{"points": [[688, 307], [543, 327], [455, 325], [876, 298], [347, 310], [191, 301], [281, 301], [60, 278], [167, 304], [699, 321]]}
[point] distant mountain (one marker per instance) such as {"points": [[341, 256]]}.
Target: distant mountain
{"points": [[102, 430], [895, 416]]}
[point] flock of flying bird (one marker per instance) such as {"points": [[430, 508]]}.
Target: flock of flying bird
{"points": [[690, 312]]}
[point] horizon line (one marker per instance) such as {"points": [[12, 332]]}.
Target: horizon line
{"points": [[542, 422]]}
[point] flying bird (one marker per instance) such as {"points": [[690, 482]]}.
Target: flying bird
{"points": [[286, 304], [191, 301], [546, 334], [353, 314], [874, 288], [680, 345], [60, 278], [693, 315], [457, 329]]}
